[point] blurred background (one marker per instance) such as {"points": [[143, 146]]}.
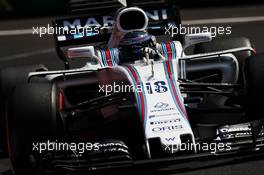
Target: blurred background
{"points": [[33, 8]]}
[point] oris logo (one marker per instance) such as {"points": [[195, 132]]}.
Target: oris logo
{"points": [[167, 128]]}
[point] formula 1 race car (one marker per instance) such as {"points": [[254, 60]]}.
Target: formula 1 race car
{"points": [[130, 97]]}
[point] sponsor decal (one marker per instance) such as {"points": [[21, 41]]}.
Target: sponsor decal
{"points": [[162, 122], [167, 128], [235, 131], [162, 115], [172, 139], [228, 130], [237, 135], [154, 15], [160, 106]]}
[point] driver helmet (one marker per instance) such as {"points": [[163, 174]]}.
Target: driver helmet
{"points": [[132, 43]]}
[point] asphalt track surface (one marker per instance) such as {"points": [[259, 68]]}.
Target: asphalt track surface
{"points": [[19, 47]]}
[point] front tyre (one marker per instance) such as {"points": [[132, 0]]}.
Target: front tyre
{"points": [[10, 77], [31, 118]]}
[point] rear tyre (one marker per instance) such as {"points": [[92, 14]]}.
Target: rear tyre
{"points": [[31, 118]]}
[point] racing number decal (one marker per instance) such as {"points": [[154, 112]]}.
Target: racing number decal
{"points": [[158, 86], [149, 88]]}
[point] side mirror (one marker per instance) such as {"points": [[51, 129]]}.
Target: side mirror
{"points": [[86, 53], [191, 39], [81, 52]]}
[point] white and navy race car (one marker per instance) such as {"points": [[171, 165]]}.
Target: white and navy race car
{"points": [[129, 97]]}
